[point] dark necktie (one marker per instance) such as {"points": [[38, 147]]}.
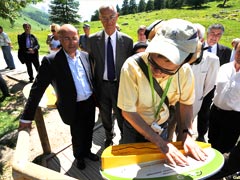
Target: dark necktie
{"points": [[110, 61], [209, 48]]}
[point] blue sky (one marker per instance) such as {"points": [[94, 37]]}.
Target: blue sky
{"points": [[86, 8]]}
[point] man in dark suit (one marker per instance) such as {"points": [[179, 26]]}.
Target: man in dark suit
{"points": [[28, 50], [69, 72], [100, 47], [214, 34]]}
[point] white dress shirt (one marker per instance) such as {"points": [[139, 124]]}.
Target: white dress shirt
{"points": [[227, 93], [205, 74]]}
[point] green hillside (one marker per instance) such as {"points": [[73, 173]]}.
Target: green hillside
{"points": [[209, 14], [39, 29]]}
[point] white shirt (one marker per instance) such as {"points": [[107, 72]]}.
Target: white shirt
{"points": [[4, 39], [113, 42], [54, 43], [232, 55], [227, 93], [205, 74]]}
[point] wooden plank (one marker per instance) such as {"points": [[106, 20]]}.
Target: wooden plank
{"points": [[64, 162], [42, 132]]}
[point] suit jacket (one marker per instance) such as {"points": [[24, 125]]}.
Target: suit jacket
{"points": [[22, 51], [224, 54], [55, 70], [96, 49]]}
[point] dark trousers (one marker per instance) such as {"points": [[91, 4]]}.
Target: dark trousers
{"points": [[3, 86], [107, 103], [29, 63], [224, 129], [203, 114], [82, 128]]}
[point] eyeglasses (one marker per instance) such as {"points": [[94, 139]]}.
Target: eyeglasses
{"points": [[163, 70], [218, 35], [53, 30], [111, 18], [69, 39]]}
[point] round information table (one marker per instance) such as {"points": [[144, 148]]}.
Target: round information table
{"points": [[144, 161]]}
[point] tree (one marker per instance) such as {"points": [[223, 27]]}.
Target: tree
{"points": [[10, 9], [141, 6], [125, 7], [95, 17], [132, 7], [64, 11], [158, 4], [223, 4], [174, 4], [194, 3], [118, 8], [150, 5]]}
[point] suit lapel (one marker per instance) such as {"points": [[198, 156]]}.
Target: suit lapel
{"points": [[87, 69], [101, 46], [119, 48]]}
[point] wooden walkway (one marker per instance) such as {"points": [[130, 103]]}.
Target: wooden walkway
{"points": [[64, 162]]}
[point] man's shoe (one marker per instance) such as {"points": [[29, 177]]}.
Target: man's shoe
{"points": [[92, 157], [12, 68], [81, 164], [201, 139], [7, 67], [108, 143]]}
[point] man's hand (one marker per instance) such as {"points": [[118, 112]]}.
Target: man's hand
{"points": [[174, 156], [24, 126], [191, 148]]}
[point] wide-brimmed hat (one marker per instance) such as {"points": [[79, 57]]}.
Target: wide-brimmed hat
{"points": [[175, 40]]}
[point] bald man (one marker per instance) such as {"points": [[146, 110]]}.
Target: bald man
{"points": [[69, 72]]}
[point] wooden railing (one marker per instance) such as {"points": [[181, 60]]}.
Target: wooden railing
{"points": [[22, 168]]}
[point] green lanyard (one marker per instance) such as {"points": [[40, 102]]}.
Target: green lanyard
{"points": [[164, 92]]}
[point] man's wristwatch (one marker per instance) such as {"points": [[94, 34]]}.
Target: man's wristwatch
{"points": [[189, 131]]}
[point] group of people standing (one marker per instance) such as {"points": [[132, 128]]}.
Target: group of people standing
{"points": [[106, 75]]}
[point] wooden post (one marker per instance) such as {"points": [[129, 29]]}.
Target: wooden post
{"points": [[42, 131]]}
